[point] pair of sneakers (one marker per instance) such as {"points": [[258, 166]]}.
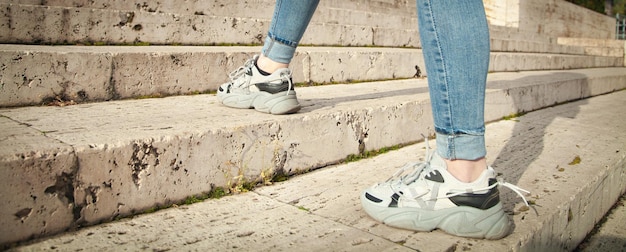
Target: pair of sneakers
{"points": [[421, 196]]}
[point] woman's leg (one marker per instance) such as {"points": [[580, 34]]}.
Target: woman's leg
{"points": [[264, 82], [455, 41], [289, 22], [443, 192]]}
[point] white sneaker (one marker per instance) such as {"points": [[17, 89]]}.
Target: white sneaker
{"points": [[429, 197], [248, 88]]}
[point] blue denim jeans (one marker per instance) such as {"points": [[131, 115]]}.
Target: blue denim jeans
{"points": [[455, 43], [288, 25]]}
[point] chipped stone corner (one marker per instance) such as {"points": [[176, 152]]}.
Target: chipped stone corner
{"points": [[38, 194]]}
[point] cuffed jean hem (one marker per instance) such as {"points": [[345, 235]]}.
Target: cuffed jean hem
{"points": [[465, 147], [277, 51]]}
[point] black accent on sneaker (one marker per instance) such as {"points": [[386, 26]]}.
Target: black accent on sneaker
{"points": [[222, 90], [372, 198], [435, 176], [480, 201], [394, 200], [260, 70], [273, 88]]}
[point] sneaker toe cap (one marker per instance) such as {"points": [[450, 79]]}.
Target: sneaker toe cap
{"points": [[224, 88], [379, 196]]}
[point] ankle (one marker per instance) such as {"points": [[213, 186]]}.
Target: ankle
{"points": [[466, 170], [268, 65]]}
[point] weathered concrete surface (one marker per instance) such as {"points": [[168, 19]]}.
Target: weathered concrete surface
{"points": [[599, 47], [346, 26], [332, 26], [506, 44], [263, 9], [122, 72], [611, 234], [33, 75], [320, 210], [555, 18], [128, 156], [39, 173], [347, 23], [62, 25]]}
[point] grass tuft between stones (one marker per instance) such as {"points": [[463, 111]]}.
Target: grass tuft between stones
{"points": [[372, 153]]}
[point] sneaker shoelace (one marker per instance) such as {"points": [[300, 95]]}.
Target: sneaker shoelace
{"points": [[401, 180], [237, 75]]}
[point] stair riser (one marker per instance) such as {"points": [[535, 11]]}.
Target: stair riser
{"points": [[36, 75]]}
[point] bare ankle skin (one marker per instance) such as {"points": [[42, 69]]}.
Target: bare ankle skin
{"points": [[466, 170], [268, 65]]}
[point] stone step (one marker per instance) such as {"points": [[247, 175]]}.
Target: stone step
{"points": [[330, 26], [514, 40], [63, 25], [534, 151], [603, 47], [81, 165], [35, 75], [609, 233], [509, 33], [590, 42], [263, 9], [514, 45]]}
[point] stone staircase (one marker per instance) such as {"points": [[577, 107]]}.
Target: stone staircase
{"points": [[110, 154]]}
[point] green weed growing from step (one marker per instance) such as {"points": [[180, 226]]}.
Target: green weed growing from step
{"points": [[99, 43], [102, 43], [280, 178], [150, 96], [244, 186], [195, 199], [216, 193], [157, 95], [372, 153], [151, 210], [513, 117], [269, 177]]}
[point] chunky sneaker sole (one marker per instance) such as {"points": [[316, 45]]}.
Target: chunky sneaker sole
{"points": [[464, 221], [430, 198], [248, 88], [278, 104]]}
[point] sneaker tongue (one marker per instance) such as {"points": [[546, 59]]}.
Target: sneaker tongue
{"points": [[438, 162]]}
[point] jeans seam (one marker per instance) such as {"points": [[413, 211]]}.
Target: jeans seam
{"points": [[446, 83], [273, 24], [451, 147], [268, 48]]}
